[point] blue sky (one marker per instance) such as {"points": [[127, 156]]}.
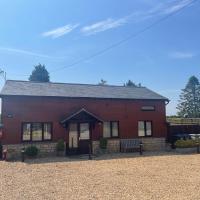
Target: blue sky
{"points": [[59, 33]]}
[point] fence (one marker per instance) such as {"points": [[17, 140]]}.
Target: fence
{"points": [[178, 126], [184, 121]]}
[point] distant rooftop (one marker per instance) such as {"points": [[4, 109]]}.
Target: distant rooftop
{"points": [[49, 89]]}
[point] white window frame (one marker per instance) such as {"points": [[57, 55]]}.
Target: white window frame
{"points": [[145, 122], [110, 127]]}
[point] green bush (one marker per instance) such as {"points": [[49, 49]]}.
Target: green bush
{"points": [[60, 146], [186, 143], [31, 151], [103, 143]]}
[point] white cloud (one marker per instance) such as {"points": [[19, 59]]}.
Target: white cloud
{"points": [[25, 52], [168, 7], [182, 55], [58, 32], [159, 10], [103, 25], [179, 5]]}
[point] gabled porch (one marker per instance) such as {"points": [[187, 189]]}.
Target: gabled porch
{"points": [[80, 127]]}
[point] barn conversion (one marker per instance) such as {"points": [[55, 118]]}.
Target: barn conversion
{"points": [[80, 114]]}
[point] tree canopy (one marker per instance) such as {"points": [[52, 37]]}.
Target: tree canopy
{"points": [[189, 103], [40, 74], [130, 83], [102, 82]]}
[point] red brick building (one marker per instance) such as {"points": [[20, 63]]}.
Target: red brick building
{"points": [[81, 114]]}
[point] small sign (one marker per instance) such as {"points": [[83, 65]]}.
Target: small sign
{"points": [[10, 115]]}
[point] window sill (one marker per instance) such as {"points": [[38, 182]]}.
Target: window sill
{"points": [[42, 141]]}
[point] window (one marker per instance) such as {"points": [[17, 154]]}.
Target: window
{"points": [[73, 136], [141, 129], [114, 129], [36, 131], [84, 131], [144, 128], [47, 131], [26, 132], [106, 130], [110, 129], [148, 108]]}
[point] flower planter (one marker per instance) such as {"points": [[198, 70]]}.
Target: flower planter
{"points": [[186, 150]]}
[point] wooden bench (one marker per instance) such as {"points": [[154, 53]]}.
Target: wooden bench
{"points": [[131, 144]]}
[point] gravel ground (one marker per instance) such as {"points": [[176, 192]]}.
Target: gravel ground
{"points": [[120, 176]]}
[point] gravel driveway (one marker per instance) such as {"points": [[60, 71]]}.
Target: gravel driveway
{"points": [[121, 176]]}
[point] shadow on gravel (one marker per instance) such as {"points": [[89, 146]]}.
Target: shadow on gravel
{"points": [[78, 158]]}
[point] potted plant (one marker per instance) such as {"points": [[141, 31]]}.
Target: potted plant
{"points": [[60, 147], [187, 146], [31, 151], [103, 144]]}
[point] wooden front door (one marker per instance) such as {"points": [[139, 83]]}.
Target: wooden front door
{"points": [[84, 138], [79, 138]]}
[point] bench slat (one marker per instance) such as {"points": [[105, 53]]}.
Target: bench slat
{"points": [[128, 143]]}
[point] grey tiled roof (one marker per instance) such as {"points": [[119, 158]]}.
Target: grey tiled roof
{"points": [[27, 88]]}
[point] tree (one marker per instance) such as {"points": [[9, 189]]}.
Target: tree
{"points": [[39, 74], [130, 83], [189, 103], [102, 82]]}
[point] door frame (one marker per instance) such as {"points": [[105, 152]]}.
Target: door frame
{"points": [[77, 150]]}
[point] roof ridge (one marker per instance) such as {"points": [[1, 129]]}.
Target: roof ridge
{"points": [[75, 84], [77, 90]]}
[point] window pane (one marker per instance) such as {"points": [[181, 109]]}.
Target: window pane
{"points": [[114, 129], [148, 108], [36, 131], [73, 136], [84, 131], [141, 130], [26, 132], [106, 130], [148, 129], [47, 131]]}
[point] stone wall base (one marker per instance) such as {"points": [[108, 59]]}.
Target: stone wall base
{"points": [[14, 150], [153, 144], [113, 146]]}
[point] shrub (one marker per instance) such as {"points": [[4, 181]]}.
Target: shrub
{"points": [[186, 143], [31, 151], [60, 146], [103, 143]]}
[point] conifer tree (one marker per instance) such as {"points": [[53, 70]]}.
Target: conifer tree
{"points": [[189, 103]]}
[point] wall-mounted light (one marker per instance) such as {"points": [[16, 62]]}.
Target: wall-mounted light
{"points": [[100, 123]]}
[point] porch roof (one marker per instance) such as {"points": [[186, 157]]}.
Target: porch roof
{"points": [[80, 115]]}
